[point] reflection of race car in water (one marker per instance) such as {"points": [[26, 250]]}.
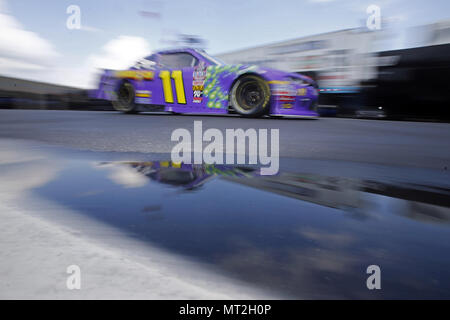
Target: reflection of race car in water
{"points": [[190, 81], [188, 176], [424, 202]]}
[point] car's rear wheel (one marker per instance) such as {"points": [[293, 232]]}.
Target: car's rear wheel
{"points": [[124, 101], [250, 96]]}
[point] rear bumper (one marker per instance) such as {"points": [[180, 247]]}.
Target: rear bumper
{"points": [[106, 87]]}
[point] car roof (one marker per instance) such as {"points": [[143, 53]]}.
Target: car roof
{"points": [[177, 50]]}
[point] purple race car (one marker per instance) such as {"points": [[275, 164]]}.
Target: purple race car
{"points": [[191, 81]]}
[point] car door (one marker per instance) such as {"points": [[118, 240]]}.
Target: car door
{"points": [[176, 76]]}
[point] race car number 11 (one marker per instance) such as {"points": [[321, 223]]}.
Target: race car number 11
{"points": [[177, 76]]}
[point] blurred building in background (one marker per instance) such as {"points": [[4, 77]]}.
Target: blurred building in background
{"points": [[414, 82], [339, 61], [429, 35], [357, 79], [25, 94]]}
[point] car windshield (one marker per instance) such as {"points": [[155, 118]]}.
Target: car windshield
{"points": [[212, 60]]}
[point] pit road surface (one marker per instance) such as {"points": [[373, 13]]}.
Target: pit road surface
{"points": [[61, 205], [414, 144]]}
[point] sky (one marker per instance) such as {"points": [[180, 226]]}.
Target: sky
{"points": [[36, 44]]}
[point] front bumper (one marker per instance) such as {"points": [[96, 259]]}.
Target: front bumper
{"points": [[290, 99]]}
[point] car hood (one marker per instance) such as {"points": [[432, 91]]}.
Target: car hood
{"points": [[275, 74]]}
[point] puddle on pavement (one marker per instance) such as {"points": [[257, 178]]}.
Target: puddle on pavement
{"points": [[304, 234]]}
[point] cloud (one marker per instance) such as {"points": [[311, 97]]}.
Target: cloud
{"points": [[120, 53], [20, 49], [125, 176], [26, 54], [23, 170]]}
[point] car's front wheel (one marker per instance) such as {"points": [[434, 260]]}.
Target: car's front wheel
{"points": [[124, 100], [250, 96]]}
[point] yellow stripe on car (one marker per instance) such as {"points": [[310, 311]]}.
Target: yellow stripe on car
{"points": [[278, 82]]}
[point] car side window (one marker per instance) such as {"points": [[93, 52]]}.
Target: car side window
{"points": [[178, 60], [146, 63]]}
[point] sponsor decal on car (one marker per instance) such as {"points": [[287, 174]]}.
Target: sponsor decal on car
{"points": [[135, 75], [198, 82], [301, 92], [143, 93], [143, 96], [284, 93]]}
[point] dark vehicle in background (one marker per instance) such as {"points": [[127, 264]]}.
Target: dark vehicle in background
{"points": [[412, 83]]}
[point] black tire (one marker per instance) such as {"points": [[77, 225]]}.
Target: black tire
{"points": [[124, 100], [250, 96]]}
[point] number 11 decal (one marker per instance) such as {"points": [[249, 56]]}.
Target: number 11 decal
{"points": [[177, 76]]}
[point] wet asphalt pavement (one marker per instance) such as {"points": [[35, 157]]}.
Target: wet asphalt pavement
{"points": [[350, 193], [415, 144]]}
